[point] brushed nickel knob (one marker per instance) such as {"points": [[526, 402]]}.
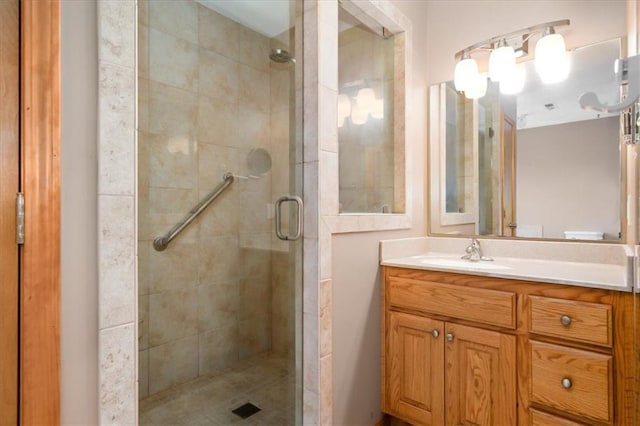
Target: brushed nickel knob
{"points": [[435, 333], [566, 383], [449, 337], [565, 320]]}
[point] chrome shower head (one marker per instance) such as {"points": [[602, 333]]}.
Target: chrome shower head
{"points": [[281, 56]]}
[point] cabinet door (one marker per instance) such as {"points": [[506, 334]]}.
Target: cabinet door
{"points": [[480, 377], [415, 369]]}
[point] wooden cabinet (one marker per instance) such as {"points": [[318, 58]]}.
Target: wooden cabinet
{"points": [[473, 350]]}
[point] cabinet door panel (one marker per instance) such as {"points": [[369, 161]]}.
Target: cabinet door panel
{"points": [[415, 366], [480, 377]]}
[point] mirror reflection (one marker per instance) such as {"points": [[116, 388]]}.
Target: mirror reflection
{"points": [[534, 164]]}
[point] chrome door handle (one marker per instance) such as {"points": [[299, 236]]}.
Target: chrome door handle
{"points": [[300, 205]]}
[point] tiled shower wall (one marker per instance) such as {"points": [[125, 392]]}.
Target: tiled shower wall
{"points": [[208, 95]]}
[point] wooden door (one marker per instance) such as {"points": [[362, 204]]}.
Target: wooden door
{"points": [[480, 377], [415, 357], [9, 181], [508, 144]]}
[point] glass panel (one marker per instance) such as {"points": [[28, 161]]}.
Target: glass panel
{"points": [[367, 136], [219, 308]]}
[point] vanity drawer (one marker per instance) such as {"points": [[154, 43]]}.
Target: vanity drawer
{"points": [[572, 320], [486, 306], [572, 380], [538, 418]]}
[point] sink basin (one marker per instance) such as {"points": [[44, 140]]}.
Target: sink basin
{"points": [[448, 262]]}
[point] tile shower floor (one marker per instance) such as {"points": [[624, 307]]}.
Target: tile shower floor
{"points": [[267, 381]]}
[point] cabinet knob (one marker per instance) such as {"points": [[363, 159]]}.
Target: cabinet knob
{"points": [[566, 383], [449, 337], [435, 333], [565, 320]]}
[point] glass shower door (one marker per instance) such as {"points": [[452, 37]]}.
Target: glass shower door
{"points": [[219, 143]]}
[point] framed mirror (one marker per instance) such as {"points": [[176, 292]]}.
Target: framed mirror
{"points": [[531, 165]]}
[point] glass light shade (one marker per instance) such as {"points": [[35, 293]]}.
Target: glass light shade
{"points": [[551, 59], [359, 116], [464, 73], [341, 120], [502, 61], [513, 83], [344, 106], [365, 99], [378, 109], [477, 88]]}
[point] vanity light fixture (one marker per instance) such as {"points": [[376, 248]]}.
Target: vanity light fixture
{"points": [[551, 60], [358, 108]]}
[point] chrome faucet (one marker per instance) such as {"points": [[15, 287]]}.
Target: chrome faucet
{"points": [[474, 252]]}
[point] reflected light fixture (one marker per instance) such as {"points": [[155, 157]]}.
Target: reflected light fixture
{"points": [[360, 107], [551, 60]]}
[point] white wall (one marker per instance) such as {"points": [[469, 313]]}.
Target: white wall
{"points": [[440, 28], [356, 281], [79, 322], [568, 177]]}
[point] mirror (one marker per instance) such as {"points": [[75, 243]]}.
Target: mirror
{"points": [[532, 165]]}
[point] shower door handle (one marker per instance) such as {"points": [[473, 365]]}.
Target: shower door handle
{"points": [[300, 205]]}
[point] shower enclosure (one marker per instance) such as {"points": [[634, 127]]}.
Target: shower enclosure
{"points": [[220, 176]]}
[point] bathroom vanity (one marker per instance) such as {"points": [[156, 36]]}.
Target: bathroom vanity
{"points": [[477, 348]]}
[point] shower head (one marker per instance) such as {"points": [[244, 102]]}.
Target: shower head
{"points": [[281, 56]]}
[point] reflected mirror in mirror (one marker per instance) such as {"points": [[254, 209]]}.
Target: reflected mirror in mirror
{"points": [[370, 130], [531, 165]]}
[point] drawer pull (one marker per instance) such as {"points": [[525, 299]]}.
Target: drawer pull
{"points": [[565, 320], [566, 383], [435, 333], [449, 337]]}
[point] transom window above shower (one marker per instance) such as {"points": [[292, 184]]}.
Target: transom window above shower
{"points": [[370, 114]]}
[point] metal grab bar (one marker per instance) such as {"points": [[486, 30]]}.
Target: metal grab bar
{"points": [[162, 242]]}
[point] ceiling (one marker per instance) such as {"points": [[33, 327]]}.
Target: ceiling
{"points": [[591, 71], [268, 17]]}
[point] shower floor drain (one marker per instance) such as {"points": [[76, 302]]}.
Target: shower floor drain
{"points": [[246, 410]]}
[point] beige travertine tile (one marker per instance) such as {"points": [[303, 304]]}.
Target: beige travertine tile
{"points": [[116, 260], [178, 18], [117, 374], [218, 33], [143, 268], [214, 161], [143, 374], [218, 305], [143, 52], [255, 131], [253, 212], [281, 89], [254, 49], [175, 268], [218, 76], [116, 33], [218, 348], [222, 217], [255, 299], [166, 207], [256, 262], [142, 109], [326, 307], [172, 112], [327, 113], [173, 315], [143, 322], [255, 336], [218, 121], [326, 390], [173, 61], [173, 363], [218, 259], [254, 90], [328, 183], [173, 161]]}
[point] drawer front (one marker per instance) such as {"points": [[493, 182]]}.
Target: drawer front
{"points": [[492, 307], [572, 380], [568, 319], [538, 418]]}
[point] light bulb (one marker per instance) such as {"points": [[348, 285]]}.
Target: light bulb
{"points": [[464, 73], [551, 58], [477, 88], [365, 99], [378, 109], [513, 83], [359, 115], [344, 106], [502, 61]]}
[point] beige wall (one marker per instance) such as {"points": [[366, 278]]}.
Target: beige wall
{"points": [[440, 28], [79, 322], [568, 177]]}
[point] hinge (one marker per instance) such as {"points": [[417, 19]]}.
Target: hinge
{"points": [[20, 218], [630, 133]]}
